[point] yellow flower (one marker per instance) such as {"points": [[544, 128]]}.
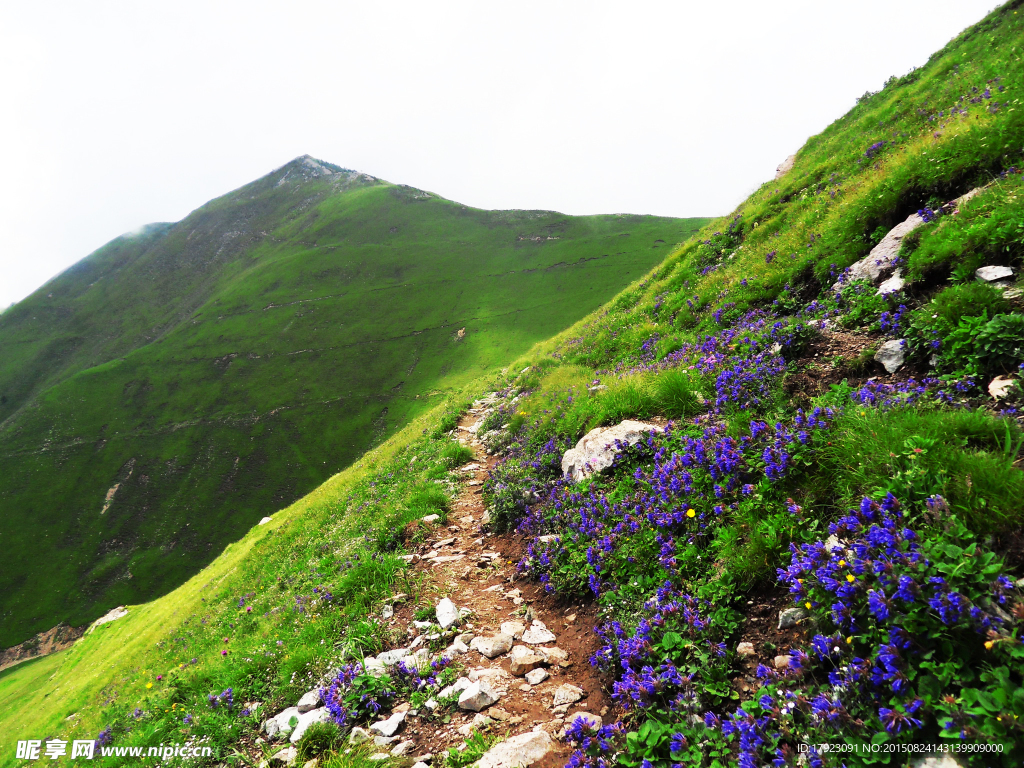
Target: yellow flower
{"points": [[849, 640], [690, 513], [989, 644], [842, 563], [799, 581], [808, 604], [851, 578], [149, 685]]}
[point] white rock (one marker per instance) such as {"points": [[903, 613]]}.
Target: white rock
{"points": [[785, 167], [893, 284], [537, 676], [420, 765], [882, 256], [536, 636], [567, 694], [403, 748], [447, 613], [310, 700], [790, 617], [307, 719], [286, 756], [392, 657], [596, 450], [379, 756], [359, 736], [1000, 387], [373, 667], [745, 649], [990, 274], [387, 612], [891, 355], [514, 629], [517, 752], [477, 696], [283, 718], [457, 687], [490, 674], [492, 646], [265, 520], [389, 726], [457, 648]]}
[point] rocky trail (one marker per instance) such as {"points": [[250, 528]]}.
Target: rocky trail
{"points": [[524, 658]]}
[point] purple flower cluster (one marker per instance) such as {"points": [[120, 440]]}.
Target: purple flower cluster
{"points": [[905, 393], [225, 698], [346, 704], [892, 322], [874, 149]]}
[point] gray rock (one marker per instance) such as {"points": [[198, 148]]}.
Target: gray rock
{"points": [[522, 650], [359, 736], [283, 719], [430, 518], [389, 658], [537, 636], [567, 694], [596, 450], [522, 664], [1012, 293], [379, 756], [492, 646], [389, 726], [387, 612], [457, 687], [307, 719], [265, 520], [403, 748], [447, 613], [310, 700], [271, 728], [477, 696], [745, 649], [457, 648], [286, 756], [537, 676], [517, 752], [514, 629], [384, 741], [786, 167], [790, 617], [374, 667], [882, 256], [990, 274], [893, 284], [891, 355]]}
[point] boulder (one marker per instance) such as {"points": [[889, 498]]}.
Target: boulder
{"points": [[309, 701], [307, 719], [990, 274], [596, 450], [265, 520], [447, 613], [892, 354], [790, 617], [893, 284], [389, 726], [283, 721], [457, 687], [882, 256], [492, 646], [518, 752], [477, 696], [567, 694], [522, 664]]}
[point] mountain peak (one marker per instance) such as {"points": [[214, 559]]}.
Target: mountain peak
{"points": [[306, 167]]}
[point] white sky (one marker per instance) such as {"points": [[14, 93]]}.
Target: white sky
{"points": [[116, 114]]}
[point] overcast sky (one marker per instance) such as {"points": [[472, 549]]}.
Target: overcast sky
{"points": [[116, 114]]}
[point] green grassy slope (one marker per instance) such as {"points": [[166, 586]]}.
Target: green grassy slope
{"points": [[774, 254], [216, 369]]}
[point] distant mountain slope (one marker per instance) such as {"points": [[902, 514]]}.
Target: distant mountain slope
{"points": [[162, 395]]}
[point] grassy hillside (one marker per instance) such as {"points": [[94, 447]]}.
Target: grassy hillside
{"points": [[784, 431], [167, 392]]}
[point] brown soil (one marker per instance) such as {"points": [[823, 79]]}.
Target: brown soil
{"points": [[43, 644]]}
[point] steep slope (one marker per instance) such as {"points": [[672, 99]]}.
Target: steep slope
{"points": [[180, 383], [898, 491]]}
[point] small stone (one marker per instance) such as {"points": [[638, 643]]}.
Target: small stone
{"points": [[522, 664], [379, 756], [538, 636], [477, 696], [1000, 387], [567, 694], [447, 613], [514, 629], [264, 521], [309, 701], [537, 676], [1012, 293], [405, 706], [525, 688], [554, 655], [466, 573], [403, 748], [389, 726], [790, 617], [430, 518], [457, 687], [781, 662], [491, 674], [992, 273], [518, 752], [891, 354], [384, 741], [286, 756], [392, 657], [745, 649], [456, 649], [387, 612], [284, 721], [499, 714], [359, 736], [492, 646]]}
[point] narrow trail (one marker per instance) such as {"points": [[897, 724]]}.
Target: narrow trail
{"points": [[476, 570]]}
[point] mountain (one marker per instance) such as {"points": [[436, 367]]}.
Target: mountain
{"points": [[166, 392], [813, 538]]}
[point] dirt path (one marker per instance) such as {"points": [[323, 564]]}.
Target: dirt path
{"points": [[477, 571]]}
